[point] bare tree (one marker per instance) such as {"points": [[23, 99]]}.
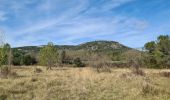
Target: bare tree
{"points": [[134, 60]]}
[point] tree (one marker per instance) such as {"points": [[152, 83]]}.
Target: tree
{"points": [[150, 46], [159, 52], [17, 57], [164, 44], [48, 55], [62, 57], [29, 60], [134, 60], [5, 55]]}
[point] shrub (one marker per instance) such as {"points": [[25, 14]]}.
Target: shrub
{"points": [[102, 67], [150, 89], [34, 79], [137, 71], [4, 71], [78, 63], [3, 97], [28, 60], [17, 57], [13, 74], [165, 74], [38, 70]]}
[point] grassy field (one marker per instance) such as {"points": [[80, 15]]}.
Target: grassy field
{"points": [[84, 84]]}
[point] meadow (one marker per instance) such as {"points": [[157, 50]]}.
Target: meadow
{"points": [[68, 83]]}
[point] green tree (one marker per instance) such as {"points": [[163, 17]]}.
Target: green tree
{"points": [[164, 44], [17, 57], [48, 55], [5, 53], [150, 46], [29, 60], [159, 52]]}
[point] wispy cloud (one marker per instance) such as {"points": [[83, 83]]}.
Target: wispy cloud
{"points": [[35, 22]]}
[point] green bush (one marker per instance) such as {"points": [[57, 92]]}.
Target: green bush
{"points": [[158, 52], [3, 97], [17, 57], [28, 60], [78, 63]]}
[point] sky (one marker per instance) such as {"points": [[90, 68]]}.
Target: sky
{"points": [[71, 22]]}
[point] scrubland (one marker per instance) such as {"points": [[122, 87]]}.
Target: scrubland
{"points": [[84, 84]]}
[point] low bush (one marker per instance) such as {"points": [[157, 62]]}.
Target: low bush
{"points": [[3, 97], [138, 72], [6, 72], [165, 74], [34, 79], [29, 60], [102, 67], [38, 70], [78, 63], [149, 89]]}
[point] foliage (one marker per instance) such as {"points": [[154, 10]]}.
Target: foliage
{"points": [[158, 52], [17, 57], [78, 63], [111, 49], [48, 55], [62, 57], [29, 60], [151, 46], [4, 54]]}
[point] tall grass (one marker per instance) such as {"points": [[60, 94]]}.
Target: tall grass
{"points": [[84, 84]]}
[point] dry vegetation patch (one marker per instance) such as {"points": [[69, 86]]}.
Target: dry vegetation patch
{"points": [[83, 84]]}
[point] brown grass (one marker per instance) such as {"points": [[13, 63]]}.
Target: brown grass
{"points": [[84, 84]]}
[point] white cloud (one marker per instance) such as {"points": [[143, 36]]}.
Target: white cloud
{"points": [[71, 23], [113, 4]]}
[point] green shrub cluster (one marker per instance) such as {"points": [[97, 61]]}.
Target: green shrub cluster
{"points": [[158, 52]]}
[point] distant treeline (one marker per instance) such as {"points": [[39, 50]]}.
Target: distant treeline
{"points": [[155, 55]]}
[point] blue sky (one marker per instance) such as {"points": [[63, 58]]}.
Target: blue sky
{"points": [[130, 22]]}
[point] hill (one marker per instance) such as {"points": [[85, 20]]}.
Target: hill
{"points": [[94, 46], [109, 50]]}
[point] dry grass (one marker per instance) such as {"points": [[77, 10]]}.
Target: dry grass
{"points": [[84, 84]]}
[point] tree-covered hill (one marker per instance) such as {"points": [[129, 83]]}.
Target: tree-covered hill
{"points": [[94, 46]]}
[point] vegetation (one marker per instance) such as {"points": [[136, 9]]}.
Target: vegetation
{"points": [[95, 76], [48, 56], [85, 84], [5, 54], [78, 63], [29, 60], [158, 55]]}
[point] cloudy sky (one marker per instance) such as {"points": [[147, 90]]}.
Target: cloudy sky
{"points": [[130, 22]]}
